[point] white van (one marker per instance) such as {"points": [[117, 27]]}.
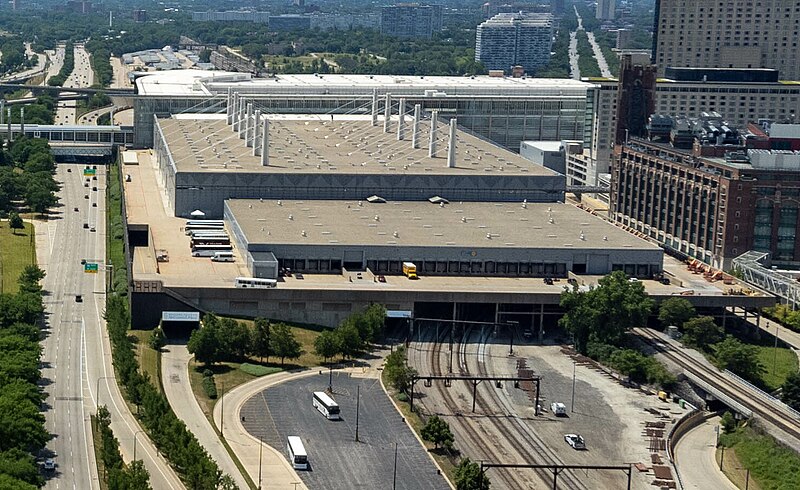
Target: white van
{"points": [[223, 257]]}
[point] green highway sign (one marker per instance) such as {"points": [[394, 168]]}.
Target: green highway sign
{"points": [[89, 171], [90, 268]]}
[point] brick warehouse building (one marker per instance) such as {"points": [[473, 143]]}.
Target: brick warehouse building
{"points": [[711, 208]]}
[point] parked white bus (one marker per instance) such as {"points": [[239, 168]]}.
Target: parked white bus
{"points": [[209, 250], [297, 453], [204, 222], [253, 282], [214, 232], [188, 229], [326, 405]]}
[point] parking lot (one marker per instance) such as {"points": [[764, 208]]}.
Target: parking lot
{"points": [[336, 459]]}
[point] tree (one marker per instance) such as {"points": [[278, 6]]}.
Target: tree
{"points": [[327, 344], [728, 422], [398, 373], [438, 432], [29, 279], [259, 339], [468, 476], [739, 358], [604, 313], [702, 332], [157, 339], [676, 311], [204, 342], [283, 343], [349, 340], [15, 223], [790, 394]]}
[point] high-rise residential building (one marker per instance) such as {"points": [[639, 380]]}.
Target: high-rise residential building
{"points": [[411, 20], [636, 99], [606, 10], [510, 39], [731, 34]]}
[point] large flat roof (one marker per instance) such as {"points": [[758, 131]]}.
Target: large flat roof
{"points": [[205, 82], [423, 224], [333, 144]]}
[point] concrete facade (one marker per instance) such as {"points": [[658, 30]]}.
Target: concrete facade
{"points": [[507, 40]]}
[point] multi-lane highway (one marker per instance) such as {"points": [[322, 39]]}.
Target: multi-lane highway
{"points": [[81, 76], [77, 366]]}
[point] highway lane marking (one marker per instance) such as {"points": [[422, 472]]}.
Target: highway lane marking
{"points": [[83, 403]]}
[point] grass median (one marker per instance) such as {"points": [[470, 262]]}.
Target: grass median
{"points": [[17, 250]]}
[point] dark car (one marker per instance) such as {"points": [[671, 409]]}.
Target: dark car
{"points": [[78, 298], [76, 209]]}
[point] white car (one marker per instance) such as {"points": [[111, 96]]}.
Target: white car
{"points": [[49, 465], [575, 440]]}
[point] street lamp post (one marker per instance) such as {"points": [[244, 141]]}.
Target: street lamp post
{"points": [[134, 442], [394, 475], [358, 400], [97, 390], [260, 448], [574, 364], [775, 358], [222, 409]]}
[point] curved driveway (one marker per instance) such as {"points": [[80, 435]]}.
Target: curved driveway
{"points": [[694, 458]]}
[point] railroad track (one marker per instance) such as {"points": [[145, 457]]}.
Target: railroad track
{"points": [[524, 437], [527, 447], [752, 399]]}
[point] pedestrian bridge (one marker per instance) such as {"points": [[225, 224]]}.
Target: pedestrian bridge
{"points": [[74, 140]]}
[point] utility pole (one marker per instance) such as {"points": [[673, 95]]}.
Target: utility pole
{"points": [[358, 399], [574, 364], [330, 379], [394, 476]]}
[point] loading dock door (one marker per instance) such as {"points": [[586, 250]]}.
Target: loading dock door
{"points": [[353, 260]]}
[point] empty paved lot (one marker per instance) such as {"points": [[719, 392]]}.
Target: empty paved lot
{"points": [[337, 461]]}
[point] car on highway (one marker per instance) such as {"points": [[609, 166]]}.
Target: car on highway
{"points": [[86, 196], [76, 209], [83, 261], [49, 464], [78, 298], [575, 440], [92, 229], [69, 170]]}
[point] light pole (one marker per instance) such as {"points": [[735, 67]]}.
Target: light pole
{"points": [[775, 358], [97, 390], [358, 399], [260, 448], [134, 442], [574, 364], [222, 409], [330, 378], [394, 473]]}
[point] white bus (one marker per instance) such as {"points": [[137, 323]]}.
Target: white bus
{"points": [[297, 453], [326, 405], [205, 222], [188, 229], [209, 250], [204, 233], [252, 282]]}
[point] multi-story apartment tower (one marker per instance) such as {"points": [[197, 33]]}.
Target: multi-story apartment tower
{"points": [[606, 10], [510, 39], [729, 34], [411, 20]]}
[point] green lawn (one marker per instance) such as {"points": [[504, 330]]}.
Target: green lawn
{"points": [[778, 364], [16, 251], [772, 466], [149, 359], [115, 246]]}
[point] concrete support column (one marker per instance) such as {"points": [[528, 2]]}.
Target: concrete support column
{"points": [[375, 107], [235, 112], [10, 134], [387, 112], [451, 146], [22, 121], [248, 125], [242, 105], [432, 142], [229, 107], [415, 127], [265, 143], [401, 120], [256, 134]]}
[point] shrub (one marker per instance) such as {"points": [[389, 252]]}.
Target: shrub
{"points": [[209, 386]]}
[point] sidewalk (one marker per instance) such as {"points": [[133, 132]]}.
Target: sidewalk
{"points": [[791, 337], [275, 468], [175, 378], [694, 458]]}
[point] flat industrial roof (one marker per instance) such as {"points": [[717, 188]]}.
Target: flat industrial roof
{"points": [[423, 224], [326, 144], [204, 82]]}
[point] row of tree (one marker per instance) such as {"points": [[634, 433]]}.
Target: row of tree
{"points": [[168, 432], [352, 335], [225, 339], [27, 178], [14, 57], [101, 62], [22, 431], [67, 68], [116, 474]]}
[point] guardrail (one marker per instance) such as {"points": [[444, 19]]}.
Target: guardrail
{"points": [[763, 394], [689, 421]]}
